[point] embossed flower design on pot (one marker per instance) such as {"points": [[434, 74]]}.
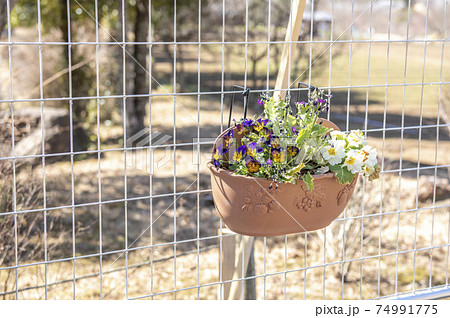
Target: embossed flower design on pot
{"points": [[306, 200], [257, 201], [345, 194]]}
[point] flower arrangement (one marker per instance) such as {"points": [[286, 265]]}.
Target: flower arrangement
{"points": [[286, 147]]}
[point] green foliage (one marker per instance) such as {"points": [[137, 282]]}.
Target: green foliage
{"points": [[283, 146], [308, 180], [342, 174], [54, 13]]}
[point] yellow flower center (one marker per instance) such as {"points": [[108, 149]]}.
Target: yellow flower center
{"points": [[257, 127], [332, 152], [350, 161]]}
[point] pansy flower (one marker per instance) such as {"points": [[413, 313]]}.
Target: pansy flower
{"points": [[260, 124], [261, 142], [247, 123], [265, 132], [278, 155], [253, 149], [239, 128], [228, 138], [218, 152], [293, 151], [252, 164], [239, 153], [275, 142]]}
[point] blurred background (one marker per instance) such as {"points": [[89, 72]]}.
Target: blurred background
{"points": [[73, 91]]}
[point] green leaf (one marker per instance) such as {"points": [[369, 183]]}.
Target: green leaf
{"points": [[291, 120], [342, 174], [320, 131], [295, 170], [276, 129], [309, 181], [301, 136]]}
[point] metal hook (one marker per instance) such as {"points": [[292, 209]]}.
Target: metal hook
{"points": [[246, 94], [304, 85]]}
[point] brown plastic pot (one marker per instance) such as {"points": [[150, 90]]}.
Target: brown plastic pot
{"points": [[247, 206]]}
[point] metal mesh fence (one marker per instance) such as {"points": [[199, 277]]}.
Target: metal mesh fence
{"points": [[129, 214]]}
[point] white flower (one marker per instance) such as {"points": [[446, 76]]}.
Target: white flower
{"points": [[356, 139], [337, 143], [368, 170], [333, 155], [353, 161], [322, 170], [370, 155], [337, 135]]}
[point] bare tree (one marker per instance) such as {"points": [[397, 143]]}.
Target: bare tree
{"points": [[4, 13], [136, 108]]}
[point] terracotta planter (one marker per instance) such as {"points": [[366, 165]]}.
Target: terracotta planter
{"points": [[247, 205]]}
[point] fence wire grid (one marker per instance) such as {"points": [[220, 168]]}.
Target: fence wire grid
{"points": [[129, 214]]}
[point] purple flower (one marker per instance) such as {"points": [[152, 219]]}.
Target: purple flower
{"points": [[269, 162], [238, 155], [247, 122], [259, 124], [251, 149], [321, 101], [228, 138], [216, 164], [260, 102], [294, 130], [218, 152]]}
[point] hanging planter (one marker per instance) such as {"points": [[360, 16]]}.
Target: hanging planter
{"points": [[287, 173]]}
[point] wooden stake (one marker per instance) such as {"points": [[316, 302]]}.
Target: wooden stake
{"points": [[292, 34], [236, 286], [228, 261], [232, 260]]}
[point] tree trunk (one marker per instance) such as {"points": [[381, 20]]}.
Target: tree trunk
{"points": [[65, 38], [4, 13], [136, 108]]}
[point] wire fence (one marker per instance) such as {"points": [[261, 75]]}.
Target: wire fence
{"points": [[131, 216]]}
